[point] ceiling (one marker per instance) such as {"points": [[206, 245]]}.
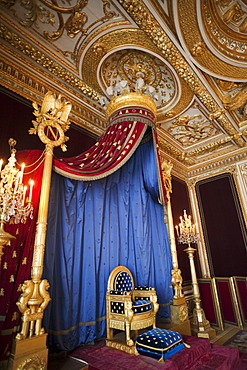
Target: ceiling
{"points": [[193, 52]]}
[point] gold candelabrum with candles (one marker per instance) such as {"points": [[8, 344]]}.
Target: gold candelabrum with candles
{"points": [[179, 308], [186, 234], [15, 198], [29, 347]]}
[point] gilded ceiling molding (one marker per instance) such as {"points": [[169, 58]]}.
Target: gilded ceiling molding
{"points": [[66, 21], [188, 22], [209, 148], [226, 26], [106, 44], [145, 20], [136, 38], [175, 153], [44, 61], [21, 81]]}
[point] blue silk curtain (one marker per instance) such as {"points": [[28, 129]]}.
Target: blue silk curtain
{"points": [[93, 226]]}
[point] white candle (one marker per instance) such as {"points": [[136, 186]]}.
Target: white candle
{"points": [[1, 163], [24, 194], [22, 171], [31, 190], [176, 227]]}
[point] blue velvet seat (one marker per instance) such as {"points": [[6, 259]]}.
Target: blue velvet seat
{"points": [[159, 343], [128, 308]]}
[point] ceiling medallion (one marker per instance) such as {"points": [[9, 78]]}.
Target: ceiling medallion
{"points": [[132, 65]]}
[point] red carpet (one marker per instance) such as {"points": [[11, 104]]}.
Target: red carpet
{"points": [[200, 356]]}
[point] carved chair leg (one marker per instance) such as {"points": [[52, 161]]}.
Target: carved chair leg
{"points": [[129, 341], [109, 333]]}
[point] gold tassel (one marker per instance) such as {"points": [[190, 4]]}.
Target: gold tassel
{"points": [[161, 359]]}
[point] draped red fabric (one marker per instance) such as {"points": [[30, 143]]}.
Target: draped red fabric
{"points": [[126, 129], [17, 259]]}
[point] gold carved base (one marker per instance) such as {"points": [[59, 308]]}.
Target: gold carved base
{"points": [[208, 333], [200, 326], [119, 345], [30, 353]]}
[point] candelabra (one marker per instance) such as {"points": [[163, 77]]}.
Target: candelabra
{"points": [[186, 234], [15, 207]]}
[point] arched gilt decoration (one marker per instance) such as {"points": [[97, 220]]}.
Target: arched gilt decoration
{"points": [[214, 33]]}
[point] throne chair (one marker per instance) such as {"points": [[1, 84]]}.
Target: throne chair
{"points": [[128, 307]]}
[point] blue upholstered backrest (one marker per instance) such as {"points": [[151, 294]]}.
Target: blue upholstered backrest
{"points": [[123, 282]]}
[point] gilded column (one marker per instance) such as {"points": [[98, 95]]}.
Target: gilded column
{"points": [[29, 347]]}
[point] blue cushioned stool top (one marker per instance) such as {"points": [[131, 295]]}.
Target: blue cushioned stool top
{"points": [[159, 343]]}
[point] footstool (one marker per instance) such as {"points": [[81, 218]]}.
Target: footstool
{"points": [[159, 343]]}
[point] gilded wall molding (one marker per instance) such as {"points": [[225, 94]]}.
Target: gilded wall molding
{"points": [[243, 169], [226, 164], [21, 81], [240, 179], [208, 148], [238, 172], [145, 20]]}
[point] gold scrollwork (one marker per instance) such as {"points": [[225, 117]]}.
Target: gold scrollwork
{"points": [[75, 22], [35, 13], [237, 100], [234, 14], [188, 130], [183, 312], [8, 3], [34, 363]]}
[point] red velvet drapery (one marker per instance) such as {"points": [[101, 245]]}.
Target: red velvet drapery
{"points": [[125, 131], [17, 259]]}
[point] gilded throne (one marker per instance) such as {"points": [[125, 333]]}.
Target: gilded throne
{"points": [[129, 308]]}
